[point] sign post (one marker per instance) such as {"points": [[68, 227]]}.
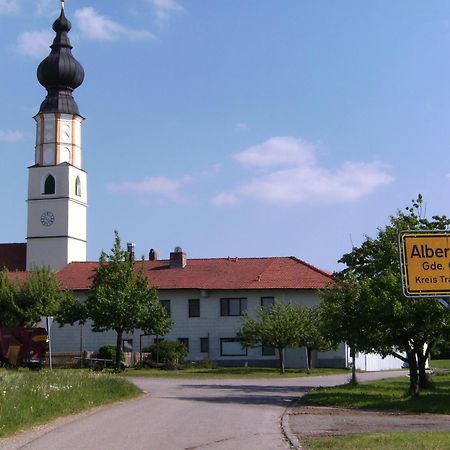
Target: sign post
{"points": [[48, 325], [425, 263]]}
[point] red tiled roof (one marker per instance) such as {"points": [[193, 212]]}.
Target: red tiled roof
{"points": [[214, 273], [18, 276], [13, 256]]}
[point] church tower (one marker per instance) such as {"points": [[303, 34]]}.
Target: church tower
{"points": [[57, 184]]}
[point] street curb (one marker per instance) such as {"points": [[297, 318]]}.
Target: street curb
{"points": [[287, 432]]}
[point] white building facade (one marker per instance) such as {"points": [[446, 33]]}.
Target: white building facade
{"points": [[206, 299]]}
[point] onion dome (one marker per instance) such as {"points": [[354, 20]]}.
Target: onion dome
{"points": [[60, 73]]}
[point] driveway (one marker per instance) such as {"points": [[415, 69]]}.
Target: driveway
{"points": [[183, 414]]}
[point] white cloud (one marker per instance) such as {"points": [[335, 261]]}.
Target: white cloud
{"points": [[165, 8], [9, 6], [283, 151], [166, 188], [95, 26], [35, 43], [169, 188], [241, 126], [10, 136], [291, 175]]}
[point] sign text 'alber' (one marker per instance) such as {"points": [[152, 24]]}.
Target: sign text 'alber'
{"points": [[425, 261]]}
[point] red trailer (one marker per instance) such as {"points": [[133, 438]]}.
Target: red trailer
{"points": [[23, 347]]}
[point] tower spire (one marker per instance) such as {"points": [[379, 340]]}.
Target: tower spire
{"points": [[60, 73]]}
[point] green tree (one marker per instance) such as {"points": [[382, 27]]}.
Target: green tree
{"points": [[10, 315], [316, 339], [24, 302], [343, 316], [281, 325], [397, 324], [41, 295], [120, 299]]}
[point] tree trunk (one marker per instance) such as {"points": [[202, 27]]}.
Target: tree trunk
{"points": [[421, 363], [414, 388], [354, 381], [309, 353], [118, 349], [281, 359]]}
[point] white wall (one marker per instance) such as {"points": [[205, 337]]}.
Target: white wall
{"points": [[372, 362], [210, 324]]}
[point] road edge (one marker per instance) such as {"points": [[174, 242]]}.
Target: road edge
{"points": [[292, 439]]}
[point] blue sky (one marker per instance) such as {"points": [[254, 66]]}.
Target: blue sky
{"points": [[239, 128]]}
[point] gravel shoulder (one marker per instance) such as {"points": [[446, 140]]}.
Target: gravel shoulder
{"points": [[312, 421]]}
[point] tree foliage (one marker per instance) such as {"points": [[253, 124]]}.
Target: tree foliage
{"points": [[344, 314], [281, 325], [120, 299], [394, 324], [24, 302]]}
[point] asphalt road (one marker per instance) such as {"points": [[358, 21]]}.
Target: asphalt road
{"points": [[241, 414]]}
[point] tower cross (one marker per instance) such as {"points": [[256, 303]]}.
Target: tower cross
{"points": [[62, 4]]}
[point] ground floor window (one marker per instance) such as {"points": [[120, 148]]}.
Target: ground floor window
{"points": [[204, 345], [267, 350], [231, 347], [185, 342]]}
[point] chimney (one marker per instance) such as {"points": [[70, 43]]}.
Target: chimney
{"points": [[152, 256], [178, 259], [130, 248]]}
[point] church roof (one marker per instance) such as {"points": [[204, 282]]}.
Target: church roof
{"points": [[13, 256], [213, 273]]}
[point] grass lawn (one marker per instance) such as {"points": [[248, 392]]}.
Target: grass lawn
{"points": [[437, 440], [384, 395], [440, 363], [230, 372], [29, 398]]}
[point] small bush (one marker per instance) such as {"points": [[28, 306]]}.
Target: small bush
{"points": [[109, 352], [169, 353], [204, 364]]}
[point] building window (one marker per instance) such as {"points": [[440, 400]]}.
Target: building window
{"points": [[185, 342], [267, 302], [49, 185], [78, 187], [231, 347], [166, 304], [204, 345], [267, 350], [158, 340], [232, 306], [194, 307]]}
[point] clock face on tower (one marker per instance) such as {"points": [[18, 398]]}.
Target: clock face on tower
{"points": [[47, 218]]}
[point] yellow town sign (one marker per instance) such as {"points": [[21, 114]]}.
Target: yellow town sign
{"points": [[425, 263]]}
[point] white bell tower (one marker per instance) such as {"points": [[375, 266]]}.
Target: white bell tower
{"points": [[57, 184]]}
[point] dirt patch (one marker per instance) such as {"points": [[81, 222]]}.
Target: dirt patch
{"points": [[312, 421]]}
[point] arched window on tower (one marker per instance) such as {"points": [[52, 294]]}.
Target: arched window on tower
{"points": [[78, 187], [49, 185]]}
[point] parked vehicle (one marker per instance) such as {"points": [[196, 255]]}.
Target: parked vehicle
{"points": [[23, 347]]}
